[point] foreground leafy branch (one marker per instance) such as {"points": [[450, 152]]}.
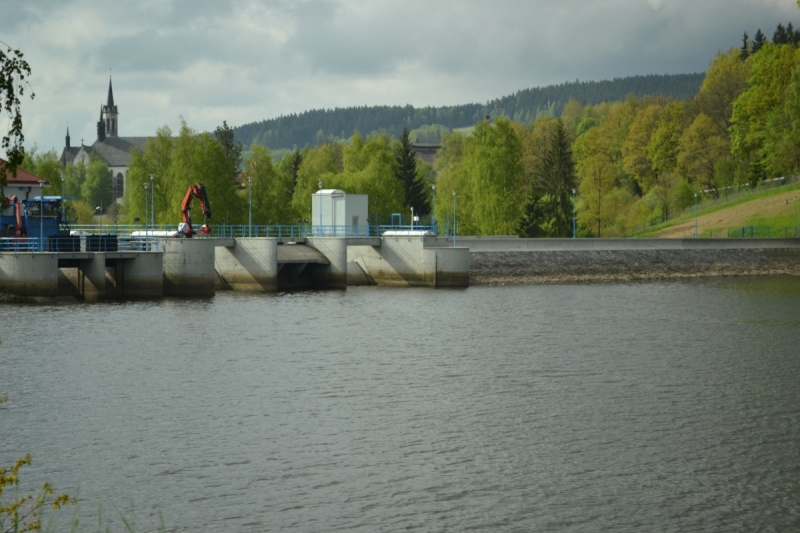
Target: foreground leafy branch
{"points": [[14, 71]]}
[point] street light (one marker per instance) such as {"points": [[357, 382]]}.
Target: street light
{"points": [[695, 215], [795, 216], [433, 209], [455, 228], [41, 215], [319, 204], [63, 201], [153, 201], [574, 213], [146, 186], [250, 214]]}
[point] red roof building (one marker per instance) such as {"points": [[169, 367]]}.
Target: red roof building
{"points": [[24, 185]]}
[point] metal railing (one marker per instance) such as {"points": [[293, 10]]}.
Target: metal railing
{"points": [[760, 232], [83, 243], [280, 231]]}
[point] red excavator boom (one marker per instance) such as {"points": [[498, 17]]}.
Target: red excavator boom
{"points": [[18, 209], [196, 191]]}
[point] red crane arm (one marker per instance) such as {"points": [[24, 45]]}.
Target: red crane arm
{"points": [[196, 191], [18, 209]]}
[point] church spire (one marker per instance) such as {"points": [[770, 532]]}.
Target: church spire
{"points": [[101, 126], [67, 138], [110, 102]]}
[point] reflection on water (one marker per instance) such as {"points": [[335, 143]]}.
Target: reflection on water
{"points": [[620, 407]]}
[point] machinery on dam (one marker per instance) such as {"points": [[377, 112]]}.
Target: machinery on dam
{"points": [[34, 217], [195, 191]]}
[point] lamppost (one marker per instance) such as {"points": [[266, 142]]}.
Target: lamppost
{"points": [[153, 201], [412, 219], [319, 204], [795, 216], [574, 213], [63, 201], [695, 215], [41, 215], [146, 186], [455, 228], [250, 214], [433, 209]]}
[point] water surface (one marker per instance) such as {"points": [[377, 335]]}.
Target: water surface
{"points": [[616, 407]]}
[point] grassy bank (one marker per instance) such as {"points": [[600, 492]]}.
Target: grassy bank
{"points": [[771, 208]]}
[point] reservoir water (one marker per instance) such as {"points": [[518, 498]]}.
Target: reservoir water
{"points": [[612, 407]]}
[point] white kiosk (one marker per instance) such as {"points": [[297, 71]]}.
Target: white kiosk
{"points": [[335, 213]]}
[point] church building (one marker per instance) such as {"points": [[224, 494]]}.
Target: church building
{"points": [[113, 150]]}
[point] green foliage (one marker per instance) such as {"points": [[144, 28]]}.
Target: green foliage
{"points": [[662, 150], [759, 119], [45, 165], [232, 149], [559, 182], [725, 80], [535, 221], [432, 133], [370, 168], [495, 182], [14, 71], [414, 189], [700, 148], [84, 212], [97, 188], [318, 163], [24, 513], [327, 125], [177, 163], [272, 190]]}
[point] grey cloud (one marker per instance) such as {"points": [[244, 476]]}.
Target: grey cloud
{"points": [[254, 59]]}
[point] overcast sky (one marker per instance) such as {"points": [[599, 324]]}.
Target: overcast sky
{"points": [[247, 60]]}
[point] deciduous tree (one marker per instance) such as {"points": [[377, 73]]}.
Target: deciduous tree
{"points": [[272, 191], [14, 72]]}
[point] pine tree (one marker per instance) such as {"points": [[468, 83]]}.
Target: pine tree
{"points": [[756, 172], [233, 150], [744, 51], [780, 37], [296, 161], [415, 192], [559, 181], [759, 41], [792, 35], [534, 221]]}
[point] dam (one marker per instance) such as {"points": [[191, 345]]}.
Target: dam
{"points": [[115, 268], [112, 268]]}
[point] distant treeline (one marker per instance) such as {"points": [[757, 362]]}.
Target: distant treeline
{"points": [[316, 126]]}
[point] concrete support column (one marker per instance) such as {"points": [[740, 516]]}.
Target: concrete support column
{"points": [[447, 267], [189, 267], [93, 278], [250, 265], [29, 274], [143, 277], [335, 250]]}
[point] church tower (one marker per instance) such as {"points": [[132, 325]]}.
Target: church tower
{"points": [[101, 126], [109, 114]]}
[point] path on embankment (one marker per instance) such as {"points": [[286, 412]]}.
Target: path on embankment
{"points": [[716, 223]]}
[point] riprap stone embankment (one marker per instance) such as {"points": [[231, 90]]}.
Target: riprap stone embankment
{"points": [[499, 261]]}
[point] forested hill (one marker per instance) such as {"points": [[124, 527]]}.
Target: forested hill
{"points": [[313, 127]]}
